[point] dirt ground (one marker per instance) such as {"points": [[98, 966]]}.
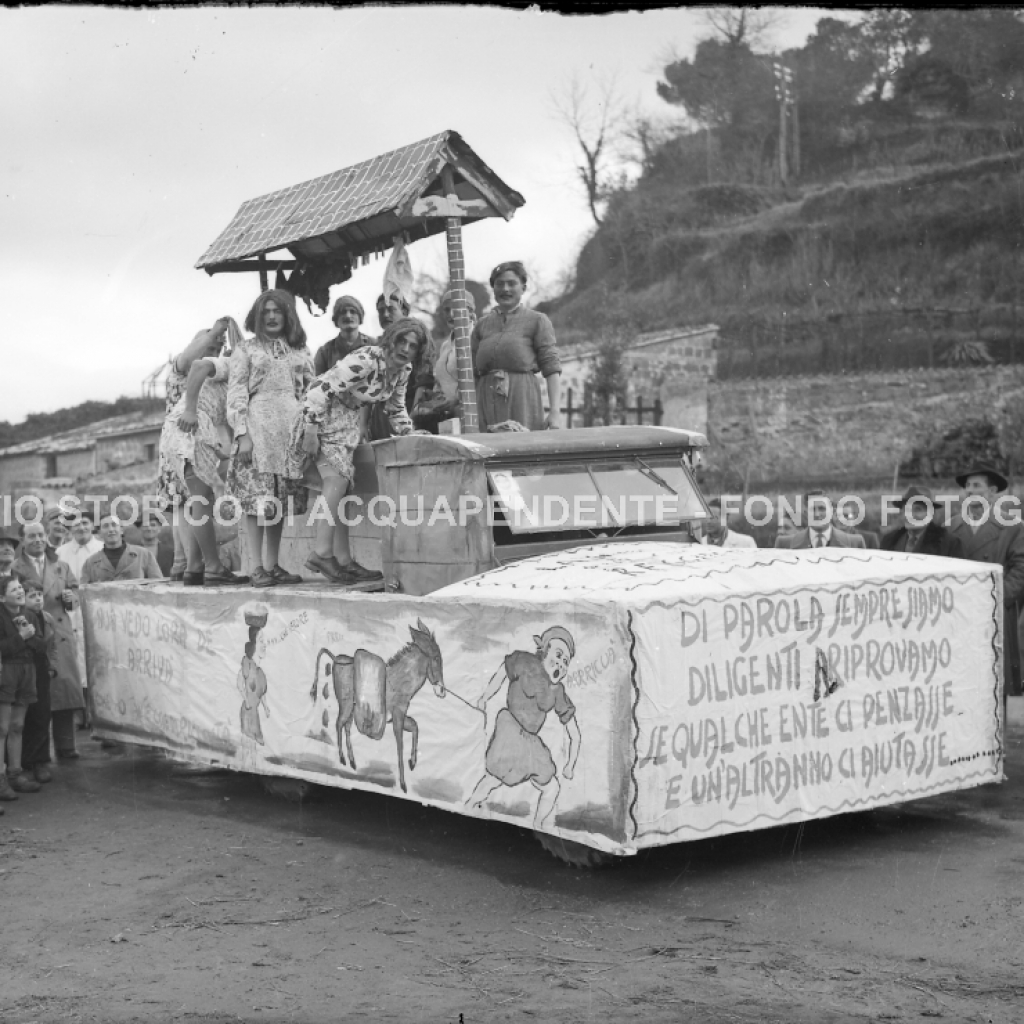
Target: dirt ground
{"points": [[133, 889]]}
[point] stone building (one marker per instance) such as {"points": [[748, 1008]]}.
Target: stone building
{"points": [[63, 463]]}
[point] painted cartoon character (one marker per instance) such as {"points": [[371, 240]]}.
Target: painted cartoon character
{"points": [[252, 684], [516, 753]]}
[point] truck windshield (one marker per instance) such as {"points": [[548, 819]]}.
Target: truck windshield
{"points": [[596, 494]]}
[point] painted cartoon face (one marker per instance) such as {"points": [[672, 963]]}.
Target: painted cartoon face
{"points": [[556, 661]]}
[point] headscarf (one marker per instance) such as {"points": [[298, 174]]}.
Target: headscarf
{"points": [[450, 295], [555, 633]]}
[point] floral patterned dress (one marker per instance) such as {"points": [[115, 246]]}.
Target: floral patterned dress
{"points": [[169, 488], [333, 402], [265, 387], [178, 448]]}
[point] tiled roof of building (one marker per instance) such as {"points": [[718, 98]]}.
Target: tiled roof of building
{"points": [[86, 436], [351, 199]]}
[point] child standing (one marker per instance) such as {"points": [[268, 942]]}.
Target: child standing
{"points": [[20, 638]]}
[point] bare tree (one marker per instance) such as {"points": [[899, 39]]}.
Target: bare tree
{"points": [[594, 114], [641, 136], [739, 26]]}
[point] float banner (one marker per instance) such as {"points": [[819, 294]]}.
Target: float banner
{"points": [[620, 696], [510, 712], [778, 686]]}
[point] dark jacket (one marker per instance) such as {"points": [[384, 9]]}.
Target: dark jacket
{"points": [[937, 540], [802, 539], [13, 649], [1000, 545]]}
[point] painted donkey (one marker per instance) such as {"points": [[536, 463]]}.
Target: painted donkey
{"points": [[373, 692]]}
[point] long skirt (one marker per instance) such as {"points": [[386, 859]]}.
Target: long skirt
{"points": [[502, 396]]}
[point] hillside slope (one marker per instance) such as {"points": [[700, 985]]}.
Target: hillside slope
{"points": [[890, 265]]}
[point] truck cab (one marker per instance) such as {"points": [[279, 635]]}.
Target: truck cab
{"points": [[460, 505]]}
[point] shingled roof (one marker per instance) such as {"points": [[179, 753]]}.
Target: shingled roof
{"points": [[359, 210]]}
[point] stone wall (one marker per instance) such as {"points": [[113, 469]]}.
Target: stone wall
{"points": [[853, 425], [673, 365], [120, 451]]}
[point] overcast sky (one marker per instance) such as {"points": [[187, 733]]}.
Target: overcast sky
{"points": [[131, 137]]}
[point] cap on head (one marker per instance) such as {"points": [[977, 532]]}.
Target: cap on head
{"points": [[348, 302]]}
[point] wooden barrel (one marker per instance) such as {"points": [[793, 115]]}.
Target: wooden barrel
{"points": [[371, 710]]}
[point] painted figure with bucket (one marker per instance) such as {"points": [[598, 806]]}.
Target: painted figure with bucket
{"points": [[252, 684], [516, 753]]}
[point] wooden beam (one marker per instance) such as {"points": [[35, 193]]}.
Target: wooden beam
{"points": [[249, 266], [443, 206]]}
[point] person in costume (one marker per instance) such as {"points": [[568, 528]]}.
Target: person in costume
{"points": [[511, 344], [195, 445], [268, 376], [516, 753], [332, 423]]}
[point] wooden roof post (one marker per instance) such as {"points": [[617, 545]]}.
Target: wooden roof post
{"points": [[457, 284]]}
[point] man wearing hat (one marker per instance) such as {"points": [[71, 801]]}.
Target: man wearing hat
{"points": [[820, 532], [985, 539], [9, 542], [348, 316], [919, 531]]}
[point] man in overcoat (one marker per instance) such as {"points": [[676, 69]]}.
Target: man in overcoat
{"points": [[919, 531], [39, 562], [985, 539]]}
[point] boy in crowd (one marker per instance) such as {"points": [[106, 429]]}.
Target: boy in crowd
{"points": [[20, 638]]}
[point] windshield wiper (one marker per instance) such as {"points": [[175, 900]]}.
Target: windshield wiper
{"points": [[652, 475]]}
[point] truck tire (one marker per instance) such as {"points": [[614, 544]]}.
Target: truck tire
{"points": [[295, 791], [577, 855]]}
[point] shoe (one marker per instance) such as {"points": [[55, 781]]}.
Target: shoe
{"points": [[68, 755], [193, 579], [359, 573], [261, 578], [176, 577], [330, 568], [6, 793], [42, 774], [24, 783], [223, 577], [284, 576]]}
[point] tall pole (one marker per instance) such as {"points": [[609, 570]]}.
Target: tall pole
{"points": [[783, 170], [795, 107], [460, 312]]}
